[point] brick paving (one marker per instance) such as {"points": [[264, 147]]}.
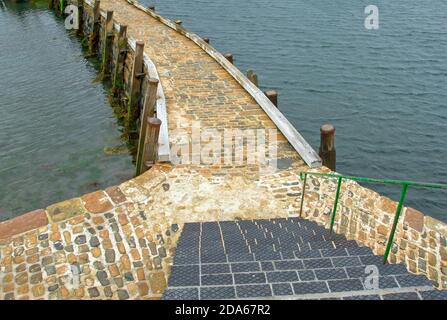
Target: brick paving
{"points": [[284, 258]]}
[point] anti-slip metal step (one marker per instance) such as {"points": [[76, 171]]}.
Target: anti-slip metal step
{"points": [[284, 259]]}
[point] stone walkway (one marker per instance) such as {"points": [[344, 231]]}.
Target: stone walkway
{"points": [[196, 87]]}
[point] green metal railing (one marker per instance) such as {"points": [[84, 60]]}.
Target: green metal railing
{"points": [[340, 178]]}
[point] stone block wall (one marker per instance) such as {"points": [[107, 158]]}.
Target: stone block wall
{"points": [[365, 216]]}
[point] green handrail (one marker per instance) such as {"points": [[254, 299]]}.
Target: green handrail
{"points": [[405, 184]]}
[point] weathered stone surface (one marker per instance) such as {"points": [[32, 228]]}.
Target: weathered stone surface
{"points": [[116, 195], [26, 222], [381, 229], [123, 294], [65, 210], [110, 256], [38, 291], [97, 202], [434, 224], [414, 219], [158, 282]]}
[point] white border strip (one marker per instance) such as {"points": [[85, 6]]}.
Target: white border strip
{"points": [[164, 151], [303, 148]]}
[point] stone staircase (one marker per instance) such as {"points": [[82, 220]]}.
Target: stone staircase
{"points": [[284, 259]]}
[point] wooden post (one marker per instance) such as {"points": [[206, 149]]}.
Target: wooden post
{"points": [[253, 77], [229, 57], [327, 146], [150, 152], [107, 37], [93, 37], [273, 96], [135, 82], [80, 4], [121, 49], [150, 100], [207, 40], [62, 6]]}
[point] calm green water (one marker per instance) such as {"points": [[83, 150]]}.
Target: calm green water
{"points": [[385, 90], [54, 121]]}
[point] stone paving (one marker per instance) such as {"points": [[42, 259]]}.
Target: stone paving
{"points": [[284, 259], [196, 87]]}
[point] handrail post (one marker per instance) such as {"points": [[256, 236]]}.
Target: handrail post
{"points": [[337, 196], [396, 220], [302, 196]]}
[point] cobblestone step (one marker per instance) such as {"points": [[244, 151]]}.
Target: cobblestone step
{"points": [[287, 259]]}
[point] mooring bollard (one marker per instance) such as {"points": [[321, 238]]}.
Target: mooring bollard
{"points": [[135, 82], [120, 49], [253, 77], [207, 40], [150, 100], [273, 96], [327, 146], [151, 144], [229, 57]]}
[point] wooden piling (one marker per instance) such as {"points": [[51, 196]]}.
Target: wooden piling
{"points": [[62, 6], [121, 50], [327, 146], [94, 35], [135, 82], [107, 41], [253, 77], [273, 96], [229, 57], [150, 152], [80, 4], [150, 99]]}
